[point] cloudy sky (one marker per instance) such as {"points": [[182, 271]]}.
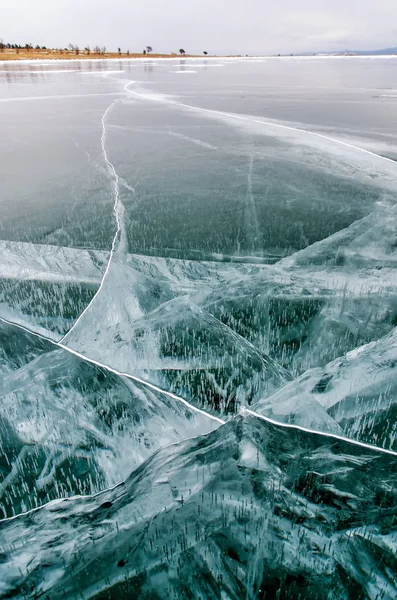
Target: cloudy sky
{"points": [[218, 26]]}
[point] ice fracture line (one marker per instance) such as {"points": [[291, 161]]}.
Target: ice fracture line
{"points": [[116, 210], [243, 410], [143, 382], [253, 120]]}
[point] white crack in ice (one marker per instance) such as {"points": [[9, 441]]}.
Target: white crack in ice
{"points": [[341, 438], [117, 212], [153, 387], [243, 410], [166, 100]]}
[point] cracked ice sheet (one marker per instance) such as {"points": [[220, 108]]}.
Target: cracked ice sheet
{"points": [[320, 303], [277, 475], [69, 265], [57, 410], [45, 288], [21, 260], [316, 272], [357, 390], [36, 280], [369, 244], [139, 284], [138, 325], [148, 308], [306, 145]]}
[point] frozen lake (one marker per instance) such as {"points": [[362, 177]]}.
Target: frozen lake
{"points": [[158, 181], [195, 181], [198, 256]]}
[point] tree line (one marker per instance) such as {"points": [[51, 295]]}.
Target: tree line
{"points": [[98, 50], [8, 46], [70, 48]]}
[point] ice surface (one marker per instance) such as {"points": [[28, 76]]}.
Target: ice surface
{"points": [[321, 302], [198, 331], [68, 427], [50, 263], [46, 287], [171, 341], [367, 244], [208, 514], [296, 405], [357, 390]]}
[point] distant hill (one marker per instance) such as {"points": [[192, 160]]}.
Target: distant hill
{"points": [[374, 52], [383, 52]]}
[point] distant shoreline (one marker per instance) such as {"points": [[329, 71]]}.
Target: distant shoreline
{"points": [[23, 54]]}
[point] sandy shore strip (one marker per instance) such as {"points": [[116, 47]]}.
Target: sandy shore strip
{"points": [[44, 55]]}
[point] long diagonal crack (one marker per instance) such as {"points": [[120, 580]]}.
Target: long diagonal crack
{"points": [[114, 371], [194, 408], [239, 117], [244, 411]]}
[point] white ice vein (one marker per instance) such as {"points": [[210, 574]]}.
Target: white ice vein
{"points": [[116, 210], [253, 120], [243, 411]]}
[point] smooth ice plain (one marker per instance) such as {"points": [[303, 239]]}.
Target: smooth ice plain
{"points": [[198, 321]]}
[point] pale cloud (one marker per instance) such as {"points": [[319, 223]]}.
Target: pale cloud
{"points": [[218, 26]]}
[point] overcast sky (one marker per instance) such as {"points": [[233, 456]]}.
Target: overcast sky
{"points": [[217, 26]]}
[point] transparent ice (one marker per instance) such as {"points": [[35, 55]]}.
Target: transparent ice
{"points": [[198, 325]]}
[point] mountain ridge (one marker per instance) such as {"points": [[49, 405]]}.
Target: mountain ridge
{"points": [[379, 52]]}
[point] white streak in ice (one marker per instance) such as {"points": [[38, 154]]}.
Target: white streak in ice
{"points": [[115, 371], [244, 410], [252, 120], [192, 140], [58, 96], [116, 210], [322, 433]]}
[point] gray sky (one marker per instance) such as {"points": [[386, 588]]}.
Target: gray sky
{"points": [[218, 26]]}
